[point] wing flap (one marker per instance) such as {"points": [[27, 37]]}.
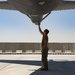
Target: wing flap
{"points": [[65, 5], [6, 5]]}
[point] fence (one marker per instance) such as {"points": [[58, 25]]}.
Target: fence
{"points": [[22, 48]]}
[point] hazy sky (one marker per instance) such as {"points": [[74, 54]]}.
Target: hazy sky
{"points": [[17, 27]]}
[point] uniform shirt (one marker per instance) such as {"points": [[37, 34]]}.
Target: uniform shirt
{"points": [[45, 38]]}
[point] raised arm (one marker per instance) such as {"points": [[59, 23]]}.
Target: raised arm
{"points": [[40, 29]]}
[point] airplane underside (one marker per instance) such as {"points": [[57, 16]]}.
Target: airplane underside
{"points": [[35, 9]]}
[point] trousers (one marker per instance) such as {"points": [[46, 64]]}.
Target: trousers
{"points": [[44, 57]]}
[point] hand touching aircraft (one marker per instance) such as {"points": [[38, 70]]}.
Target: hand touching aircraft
{"points": [[36, 9]]}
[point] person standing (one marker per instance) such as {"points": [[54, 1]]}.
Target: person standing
{"points": [[44, 50]]}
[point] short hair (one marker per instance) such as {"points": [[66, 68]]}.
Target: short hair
{"points": [[46, 30]]}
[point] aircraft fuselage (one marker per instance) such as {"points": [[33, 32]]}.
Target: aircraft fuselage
{"points": [[35, 9]]}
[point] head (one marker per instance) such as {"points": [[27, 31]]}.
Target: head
{"points": [[46, 31]]}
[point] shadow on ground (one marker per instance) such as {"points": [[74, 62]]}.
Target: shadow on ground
{"points": [[55, 67], [58, 68], [22, 62]]}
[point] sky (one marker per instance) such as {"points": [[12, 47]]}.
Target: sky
{"points": [[17, 27]]}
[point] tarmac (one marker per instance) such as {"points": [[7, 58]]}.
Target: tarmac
{"points": [[31, 64]]}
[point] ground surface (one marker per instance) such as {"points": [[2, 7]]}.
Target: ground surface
{"points": [[30, 65]]}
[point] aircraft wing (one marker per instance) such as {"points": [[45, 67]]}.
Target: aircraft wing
{"points": [[65, 5], [6, 5]]}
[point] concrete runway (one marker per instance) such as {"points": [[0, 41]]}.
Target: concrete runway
{"points": [[30, 65]]}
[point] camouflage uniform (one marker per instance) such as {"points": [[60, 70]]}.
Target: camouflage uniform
{"points": [[44, 52]]}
